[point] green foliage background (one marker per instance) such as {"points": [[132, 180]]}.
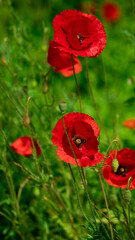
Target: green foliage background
{"points": [[48, 205]]}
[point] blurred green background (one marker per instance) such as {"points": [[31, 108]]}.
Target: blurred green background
{"points": [[25, 31]]}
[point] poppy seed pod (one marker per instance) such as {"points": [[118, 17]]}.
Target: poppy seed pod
{"points": [[62, 106], [26, 121], [115, 164], [45, 87], [124, 177], [127, 196]]}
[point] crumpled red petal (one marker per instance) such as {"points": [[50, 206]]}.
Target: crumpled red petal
{"points": [[24, 146], [61, 60]]}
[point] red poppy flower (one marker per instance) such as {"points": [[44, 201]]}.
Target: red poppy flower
{"points": [[83, 132], [126, 169], [110, 11], [79, 33], [24, 146], [130, 123], [62, 60]]}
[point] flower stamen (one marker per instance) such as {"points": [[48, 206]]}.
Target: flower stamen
{"points": [[122, 171], [78, 141], [80, 37]]}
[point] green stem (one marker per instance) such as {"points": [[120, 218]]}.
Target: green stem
{"points": [[128, 206], [125, 216], [14, 201], [11, 100], [94, 101], [81, 176], [64, 207], [76, 83], [77, 194], [106, 203], [34, 153], [106, 88]]}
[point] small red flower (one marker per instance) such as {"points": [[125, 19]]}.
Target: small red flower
{"points": [[79, 33], [24, 146], [130, 123], [62, 60], [126, 169], [83, 132], [110, 11]]}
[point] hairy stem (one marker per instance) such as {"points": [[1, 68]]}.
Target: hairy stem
{"points": [[95, 104], [76, 83], [81, 176], [106, 203]]}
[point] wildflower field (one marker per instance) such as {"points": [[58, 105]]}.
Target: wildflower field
{"points": [[67, 120]]}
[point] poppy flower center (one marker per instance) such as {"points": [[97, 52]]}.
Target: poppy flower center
{"points": [[78, 141], [121, 171], [80, 37]]}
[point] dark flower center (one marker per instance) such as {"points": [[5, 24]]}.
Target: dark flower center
{"points": [[80, 37], [121, 171], [78, 141]]}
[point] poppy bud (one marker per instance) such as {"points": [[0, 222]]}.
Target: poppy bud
{"points": [[45, 87], [115, 165], [62, 106], [36, 192], [127, 196], [26, 119], [129, 183], [4, 60]]}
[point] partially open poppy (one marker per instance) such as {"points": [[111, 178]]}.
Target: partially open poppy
{"points": [[61, 60], [130, 123], [79, 33], [125, 168], [83, 132], [110, 11], [24, 146]]}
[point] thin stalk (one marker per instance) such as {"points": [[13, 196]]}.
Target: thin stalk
{"points": [[34, 153], [82, 178], [128, 206], [125, 216], [94, 101], [101, 212], [106, 203], [5, 216], [64, 207], [77, 194], [11, 100], [106, 87], [49, 112], [15, 203], [38, 111], [76, 83]]}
